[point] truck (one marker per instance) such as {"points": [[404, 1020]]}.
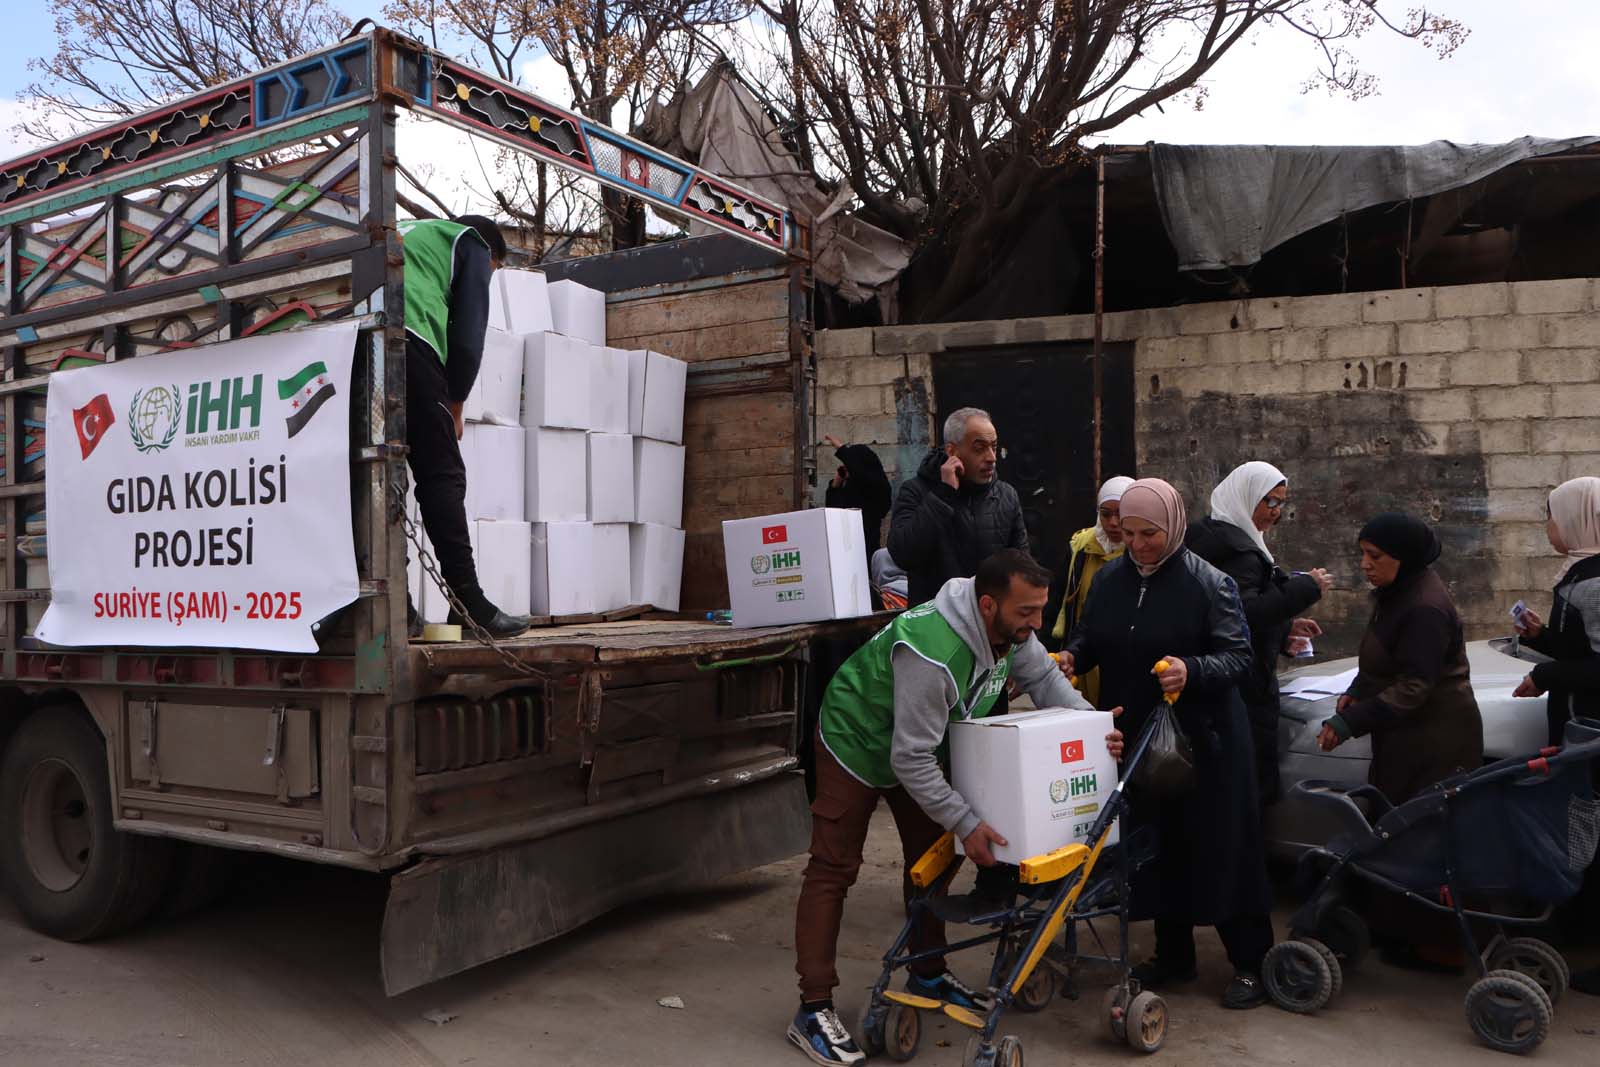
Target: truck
{"points": [[510, 791]]}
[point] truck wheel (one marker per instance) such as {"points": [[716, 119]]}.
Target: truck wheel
{"points": [[70, 873]]}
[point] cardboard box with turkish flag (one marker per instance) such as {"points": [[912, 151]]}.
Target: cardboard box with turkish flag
{"points": [[1039, 778], [801, 566]]}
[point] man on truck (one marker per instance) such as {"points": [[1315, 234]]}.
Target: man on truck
{"points": [[449, 263], [882, 735]]}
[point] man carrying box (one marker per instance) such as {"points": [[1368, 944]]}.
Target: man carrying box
{"points": [[882, 735], [449, 263]]}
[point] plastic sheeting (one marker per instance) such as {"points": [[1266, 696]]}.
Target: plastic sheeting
{"points": [[720, 125], [1228, 205]]}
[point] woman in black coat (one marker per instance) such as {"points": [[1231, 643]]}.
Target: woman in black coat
{"points": [[1161, 601], [1244, 506]]}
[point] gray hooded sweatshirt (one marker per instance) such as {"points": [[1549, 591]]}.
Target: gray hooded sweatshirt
{"points": [[924, 694]]}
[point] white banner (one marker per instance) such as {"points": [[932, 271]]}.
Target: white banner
{"points": [[202, 498]]}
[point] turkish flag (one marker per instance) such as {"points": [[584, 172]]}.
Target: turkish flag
{"points": [[1071, 751], [774, 535], [92, 421]]}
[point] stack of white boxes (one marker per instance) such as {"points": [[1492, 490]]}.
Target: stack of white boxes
{"points": [[574, 460]]}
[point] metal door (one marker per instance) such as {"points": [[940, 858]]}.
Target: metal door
{"points": [[1042, 400]]}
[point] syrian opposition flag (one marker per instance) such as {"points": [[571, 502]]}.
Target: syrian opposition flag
{"points": [[307, 390]]}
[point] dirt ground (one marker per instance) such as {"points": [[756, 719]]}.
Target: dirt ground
{"points": [[285, 974]]}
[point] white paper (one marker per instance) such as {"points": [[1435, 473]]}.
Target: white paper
{"points": [[1317, 687]]}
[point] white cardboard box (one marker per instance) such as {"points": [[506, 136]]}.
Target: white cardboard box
{"points": [[497, 393], [557, 377], [610, 477], [1039, 778], [655, 555], [519, 301], [557, 476], [563, 568], [608, 392], [578, 311], [801, 566], [495, 481], [655, 395], [612, 574], [502, 551], [657, 482]]}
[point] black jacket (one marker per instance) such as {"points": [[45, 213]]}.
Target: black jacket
{"points": [[1571, 638], [1212, 864], [1272, 600], [866, 488], [937, 533]]}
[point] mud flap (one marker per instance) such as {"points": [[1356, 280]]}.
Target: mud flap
{"points": [[445, 916]]}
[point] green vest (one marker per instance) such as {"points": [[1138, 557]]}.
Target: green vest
{"points": [[857, 717], [430, 247]]}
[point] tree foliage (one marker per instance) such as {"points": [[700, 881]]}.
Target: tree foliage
{"points": [[947, 117]]}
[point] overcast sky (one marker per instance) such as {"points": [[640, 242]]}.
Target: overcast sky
{"points": [[1525, 69]]}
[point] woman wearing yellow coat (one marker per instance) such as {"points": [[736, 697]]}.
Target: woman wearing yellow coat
{"points": [[1089, 550]]}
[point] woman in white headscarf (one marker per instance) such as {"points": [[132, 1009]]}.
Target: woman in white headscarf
{"points": [[1089, 550], [1244, 506], [1572, 636]]}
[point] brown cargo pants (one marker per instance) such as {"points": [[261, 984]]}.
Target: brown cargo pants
{"points": [[839, 818]]}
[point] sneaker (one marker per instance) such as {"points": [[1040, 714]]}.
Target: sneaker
{"points": [[1244, 991], [950, 989], [1157, 974], [820, 1035]]}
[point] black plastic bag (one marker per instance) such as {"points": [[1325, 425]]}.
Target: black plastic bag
{"points": [[1168, 764]]}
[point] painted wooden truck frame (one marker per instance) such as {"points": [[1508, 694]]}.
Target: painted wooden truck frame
{"points": [[510, 794]]}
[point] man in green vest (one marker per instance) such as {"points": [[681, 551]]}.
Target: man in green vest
{"points": [[882, 735], [449, 263]]}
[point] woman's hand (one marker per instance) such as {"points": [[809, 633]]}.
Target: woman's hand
{"points": [[1114, 738], [1068, 668], [1344, 702], [1530, 624], [1305, 628], [1328, 739], [1527, 688], [1175, 677], [1323, 579]]}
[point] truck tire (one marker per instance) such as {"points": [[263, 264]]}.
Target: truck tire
{"points": [[69, 872]]}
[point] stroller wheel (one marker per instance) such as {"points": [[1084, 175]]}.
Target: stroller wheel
{"points": [[1537, 960], [1298, 978], [1009, 1052], [1147, 1022], [1342, 929], [1508, 1011], [1039, 990], [869, 1028], [902, 1033], [1334, 967], [1114, 1009]]}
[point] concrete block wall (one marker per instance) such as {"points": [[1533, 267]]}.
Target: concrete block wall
{"points": [[1462, 404]]}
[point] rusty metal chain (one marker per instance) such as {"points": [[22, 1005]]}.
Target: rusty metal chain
{"points": [[430, 569]]}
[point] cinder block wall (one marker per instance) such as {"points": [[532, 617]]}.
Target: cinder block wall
{"points": [[1462, 404]]}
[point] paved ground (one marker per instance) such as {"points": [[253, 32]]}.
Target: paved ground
{"points": [[285, 974]]}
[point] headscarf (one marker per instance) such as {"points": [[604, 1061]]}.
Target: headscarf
{"points": [[1157, 503], [1111, 490], [1234, 499], [1406, 538], [1575, 507]]}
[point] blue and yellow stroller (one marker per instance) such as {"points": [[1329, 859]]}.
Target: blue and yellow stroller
{"points": [[1057, 891], [1514, 837]]}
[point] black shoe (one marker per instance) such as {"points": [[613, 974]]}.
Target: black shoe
{"points": [[494, 621], [1244, 991], [1156, 974]]}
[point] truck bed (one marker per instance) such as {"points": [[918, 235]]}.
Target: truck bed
{"points": [[637, 641]]}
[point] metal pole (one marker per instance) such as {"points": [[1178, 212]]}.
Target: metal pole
{"points": [[1099, 302]]}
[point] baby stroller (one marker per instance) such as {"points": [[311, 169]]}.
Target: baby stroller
{"points": [[1521, 830], [1058, 889]]}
